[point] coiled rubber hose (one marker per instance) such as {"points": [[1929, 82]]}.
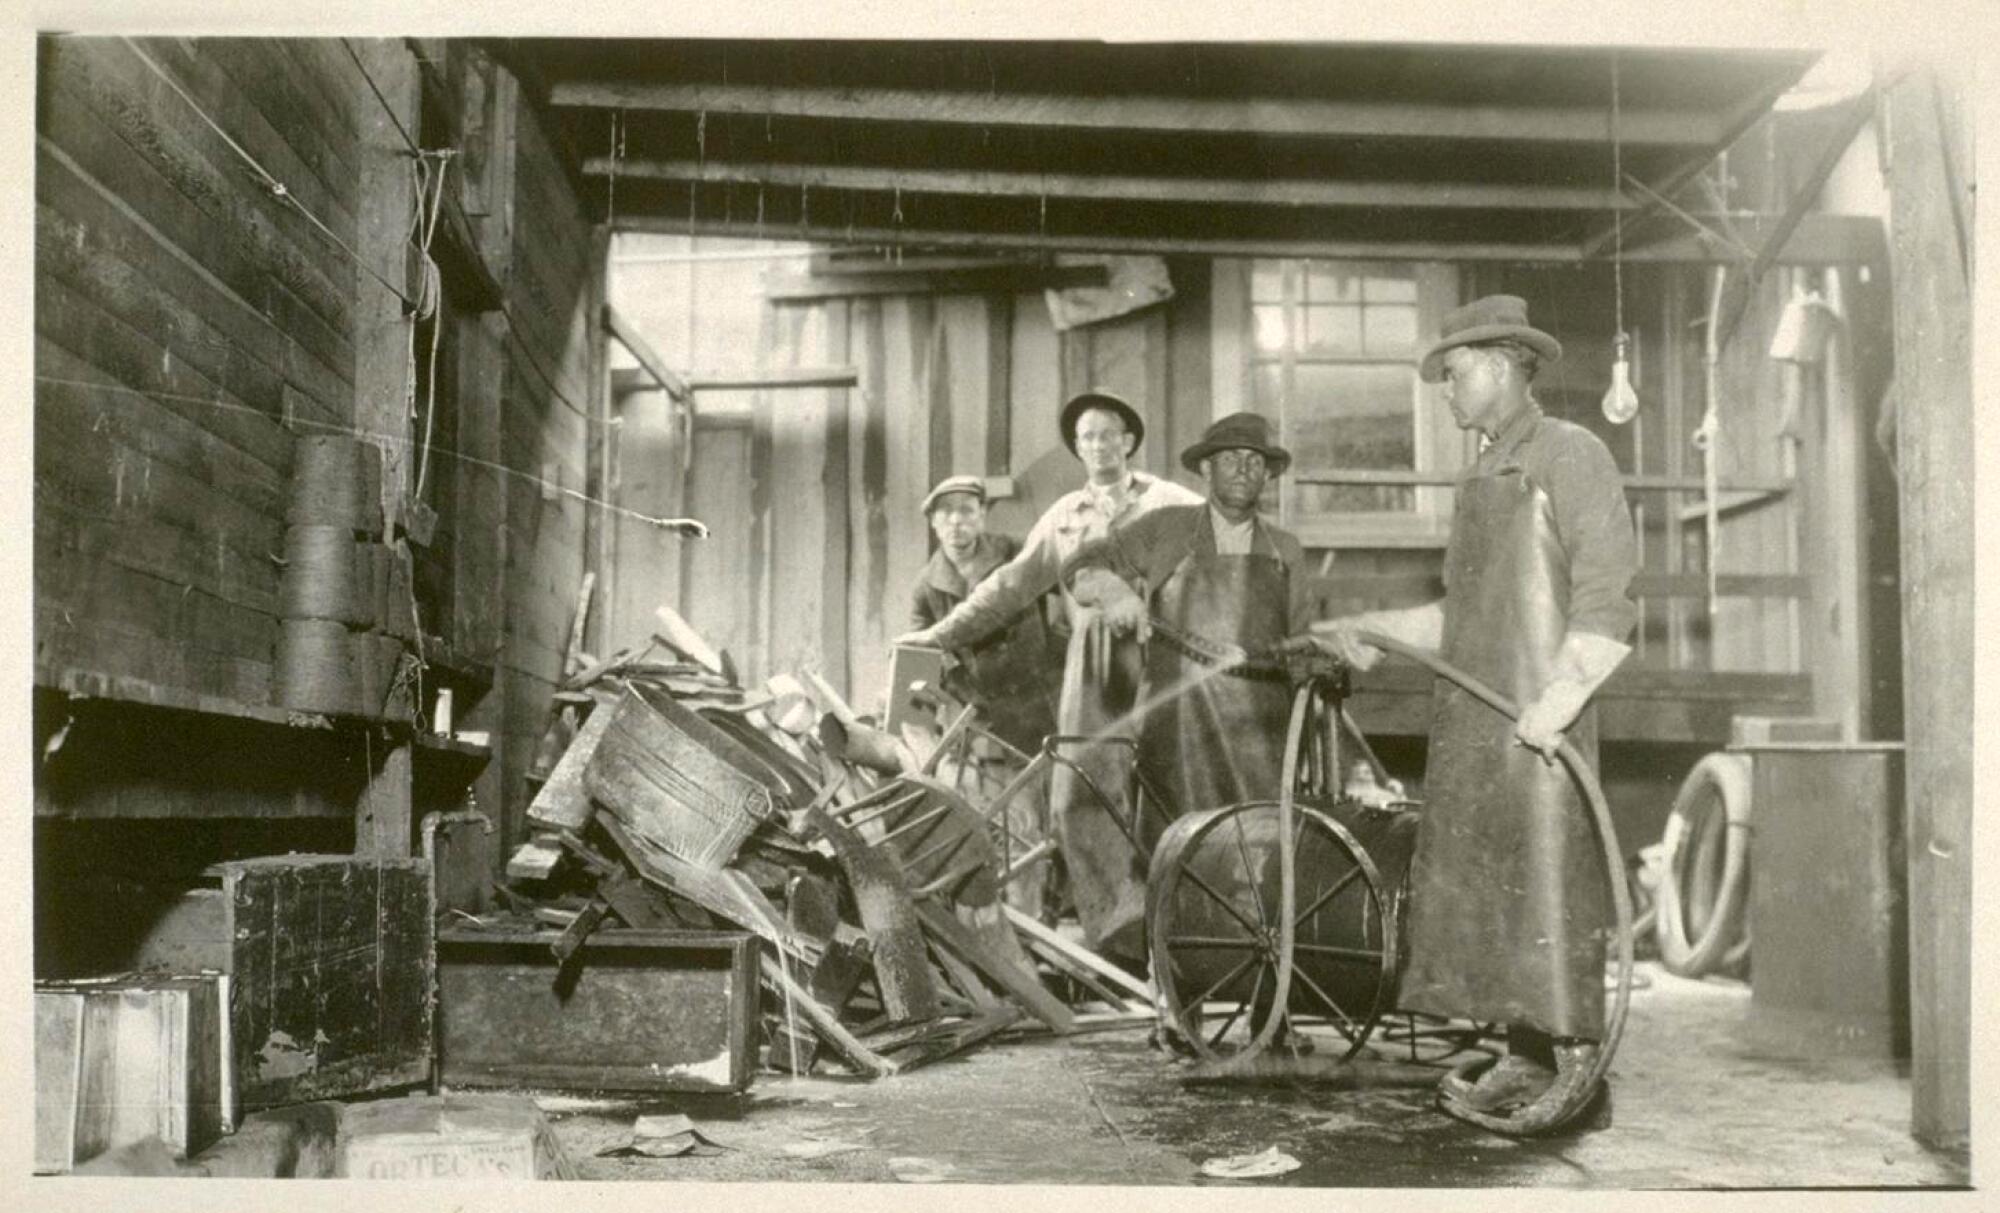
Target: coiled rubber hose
{"points": [[1568, 1096]]}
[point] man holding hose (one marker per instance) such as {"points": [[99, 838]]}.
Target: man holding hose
{"points": [[1508, 901]]}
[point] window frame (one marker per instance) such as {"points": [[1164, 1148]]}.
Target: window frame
{"points": [[1440, 447]]}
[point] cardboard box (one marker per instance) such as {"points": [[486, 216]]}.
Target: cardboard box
{"points": [[450, 1137]]}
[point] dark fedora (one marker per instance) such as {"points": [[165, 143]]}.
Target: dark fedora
{"points": [[1238, 432], [1098, 399], [1493, 318]]}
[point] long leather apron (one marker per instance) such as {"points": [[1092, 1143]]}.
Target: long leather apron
{"points": [[1106, 873], [1508, 904], [1211, 739]]}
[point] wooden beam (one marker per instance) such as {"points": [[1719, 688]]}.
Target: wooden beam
{"points": [[1820, 239], [981, 280], [1812, 240], [1935, 458], [1639, 483], [1172, 115], [1454, 195], [775, 377], [655, 365]]}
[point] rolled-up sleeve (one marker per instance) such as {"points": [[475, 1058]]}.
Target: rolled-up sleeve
{"points": [[1595, 525]]}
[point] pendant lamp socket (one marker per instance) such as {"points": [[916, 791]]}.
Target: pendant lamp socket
{"points": [[1621, 403]]}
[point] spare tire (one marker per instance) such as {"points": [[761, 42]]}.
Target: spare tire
{"points": [[1700, 921]]}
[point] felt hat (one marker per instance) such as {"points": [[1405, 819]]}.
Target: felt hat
{"points": [[1488, 319], [1098, 399], [1238, 432], [955, 484]]}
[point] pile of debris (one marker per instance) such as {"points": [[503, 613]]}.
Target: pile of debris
{"points": [[870, 867]]}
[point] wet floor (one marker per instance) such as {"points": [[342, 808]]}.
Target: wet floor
{"points": [[1696, 1105]]}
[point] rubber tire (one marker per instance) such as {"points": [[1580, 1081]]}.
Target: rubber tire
{"points": [[1710, 911]]}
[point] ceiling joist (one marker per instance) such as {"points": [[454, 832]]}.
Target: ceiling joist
{"points": [[1117, 188], [1301, 117]]}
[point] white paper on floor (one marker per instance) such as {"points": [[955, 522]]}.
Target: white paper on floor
{"points": [[665, 1137], [920, 1170], [818, 1148], [1261, 1165]]}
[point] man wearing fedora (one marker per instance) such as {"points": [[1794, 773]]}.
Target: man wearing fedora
{"points": [[1098, 686], [1508, 903], [1007, 674], [1219, 575]]}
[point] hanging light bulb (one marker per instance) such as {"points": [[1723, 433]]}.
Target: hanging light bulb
{"points": [[1621, 403]]}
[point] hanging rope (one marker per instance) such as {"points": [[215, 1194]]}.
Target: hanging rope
{"points": [[1617, 215], [428, 202]]}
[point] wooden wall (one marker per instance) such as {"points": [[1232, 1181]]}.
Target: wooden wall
{"points": [[190, 323]]}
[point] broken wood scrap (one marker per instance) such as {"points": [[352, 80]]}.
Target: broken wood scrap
{"points": [[890, 918], [827, 1024], [578, 930], [725, 894], [535, 859], [1073, 957], [1017, 980], [950, 1038], [682, 637], [563, 803]]}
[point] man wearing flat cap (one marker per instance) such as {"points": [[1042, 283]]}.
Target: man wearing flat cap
{"points": [[1509, 907], [1102, 431], [1007, 674], [1215, 574]]}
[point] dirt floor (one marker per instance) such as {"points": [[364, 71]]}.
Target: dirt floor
{"points": [[1696, 1105]]}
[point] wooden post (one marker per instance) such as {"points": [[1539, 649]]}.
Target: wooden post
{"points": [[382, 823], [1934, 443], [601, 462]]}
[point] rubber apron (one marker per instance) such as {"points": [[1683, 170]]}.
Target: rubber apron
{"points": [[1221, 739], [1509, 908]]}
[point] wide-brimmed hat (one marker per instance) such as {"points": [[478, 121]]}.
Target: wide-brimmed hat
{"points": [[1238, 432], [1492, 318], [1096, 398], [955, 484]]}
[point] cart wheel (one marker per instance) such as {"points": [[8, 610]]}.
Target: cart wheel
{"points": [[1211, 923]]}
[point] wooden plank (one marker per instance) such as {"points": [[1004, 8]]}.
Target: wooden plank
{"points": [[860, 1056], [873, 614], [775, 377], [892, 920], [113, 228], [642, 349], [908, 471], [562, 803], [833, 638], [383, 816], [168, 138], [1122, 187], [969, 393], [1076, 956], [1009, 976], [1929, 172], [965, 280], [1247, 117]]}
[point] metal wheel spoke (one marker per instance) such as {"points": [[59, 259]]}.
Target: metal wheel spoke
{"points": [[1351, 1027], [1232, 975], [1255, 988], [1351, 955], [1327, 896], [1249, 871], [1218, 898], [1209, 941]]}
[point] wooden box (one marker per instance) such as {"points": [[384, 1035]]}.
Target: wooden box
{"points": [[1829, 954], [332, 961], [119, 1060], [637, 1011]]}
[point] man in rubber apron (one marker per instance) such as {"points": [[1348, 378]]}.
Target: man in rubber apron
{"points": [[1100, 679], [1508, 904], [1220, 583]]}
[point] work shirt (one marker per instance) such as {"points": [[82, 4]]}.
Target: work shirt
{"points": [[1587, 496], [1232, 538], [945, 584], [1076, 517], [1010, 672]]}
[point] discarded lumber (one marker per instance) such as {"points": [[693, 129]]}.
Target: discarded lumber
{"points": [[1070, 955], [677, 632], [890, 918], [1003, 972], [534, 859], [825, 1022], [562, 803]]}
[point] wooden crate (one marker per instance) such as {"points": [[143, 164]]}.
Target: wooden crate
{"points": [[119, 1060], [333, 965], [640, 1011], [452, 1137]]}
